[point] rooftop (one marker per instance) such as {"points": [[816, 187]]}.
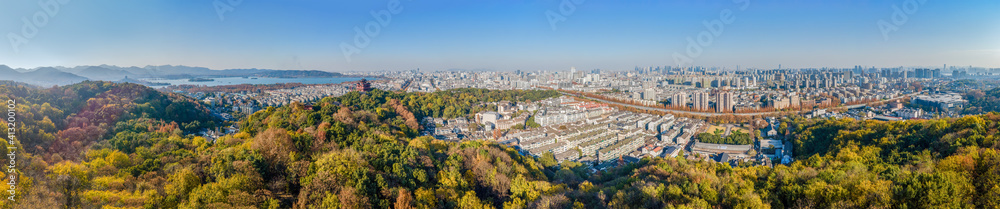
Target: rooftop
{"points": [[721, 147]]}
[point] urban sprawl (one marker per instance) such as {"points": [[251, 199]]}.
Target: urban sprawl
{"points": [[607, 118]]}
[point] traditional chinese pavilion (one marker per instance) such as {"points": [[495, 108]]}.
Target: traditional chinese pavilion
{"points": [[363, 86]]}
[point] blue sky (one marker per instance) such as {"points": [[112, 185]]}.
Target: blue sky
{"points": [[499, 35]]}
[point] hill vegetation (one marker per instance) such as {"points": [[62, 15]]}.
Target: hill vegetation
{"points": [[736, 137], [982, 101], [361, 151]]}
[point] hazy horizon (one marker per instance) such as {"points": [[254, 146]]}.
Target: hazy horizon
{"points": [[503, 36], [566, 69]]}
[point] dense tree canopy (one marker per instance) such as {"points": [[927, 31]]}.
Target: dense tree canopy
{"points": [[361, 151], [735, 137], [61, 127], [981, 101]]}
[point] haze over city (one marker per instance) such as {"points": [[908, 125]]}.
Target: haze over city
{"points": [[501, 35]]}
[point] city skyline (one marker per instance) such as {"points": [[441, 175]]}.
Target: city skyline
{"points": [[504, 36]]}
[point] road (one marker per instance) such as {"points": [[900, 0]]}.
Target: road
{"points": [[716, 114]]}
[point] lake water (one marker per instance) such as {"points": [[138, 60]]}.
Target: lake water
{"points": [[257, 80]]}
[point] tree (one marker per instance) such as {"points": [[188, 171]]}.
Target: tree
{"points": [[531, 122], [71, 179], [275, 144], [403, 200], [548, 159]]}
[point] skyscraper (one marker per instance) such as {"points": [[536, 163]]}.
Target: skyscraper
{"points": [[724, 102], [701, 101], [679, 100]]}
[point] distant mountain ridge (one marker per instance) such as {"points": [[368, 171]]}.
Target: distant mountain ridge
{"points": [[47, 76]]}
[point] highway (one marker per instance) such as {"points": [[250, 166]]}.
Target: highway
{"points": [[716, 114]]}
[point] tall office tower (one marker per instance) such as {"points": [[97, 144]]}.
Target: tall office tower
{"points": [[724, 102], [701, 101], [679, 100]]}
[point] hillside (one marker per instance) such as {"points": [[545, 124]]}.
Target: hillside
{"points": [[361, 151], [982, 101], [65, 124]]}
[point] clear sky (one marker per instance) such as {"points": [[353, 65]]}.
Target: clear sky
{"points": [[498, 35]]}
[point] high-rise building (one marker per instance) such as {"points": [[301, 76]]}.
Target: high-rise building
{"points": [[794, 101], [650, 94], [679, 100], [923, 73], [724, 102], [701, 101]]}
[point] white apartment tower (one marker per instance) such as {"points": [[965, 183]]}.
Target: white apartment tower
{"points": [[724, 102]]}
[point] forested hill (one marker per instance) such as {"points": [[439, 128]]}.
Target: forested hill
{"points": [[360, 151], [982, 101], [62, 124], [65, 120]]}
